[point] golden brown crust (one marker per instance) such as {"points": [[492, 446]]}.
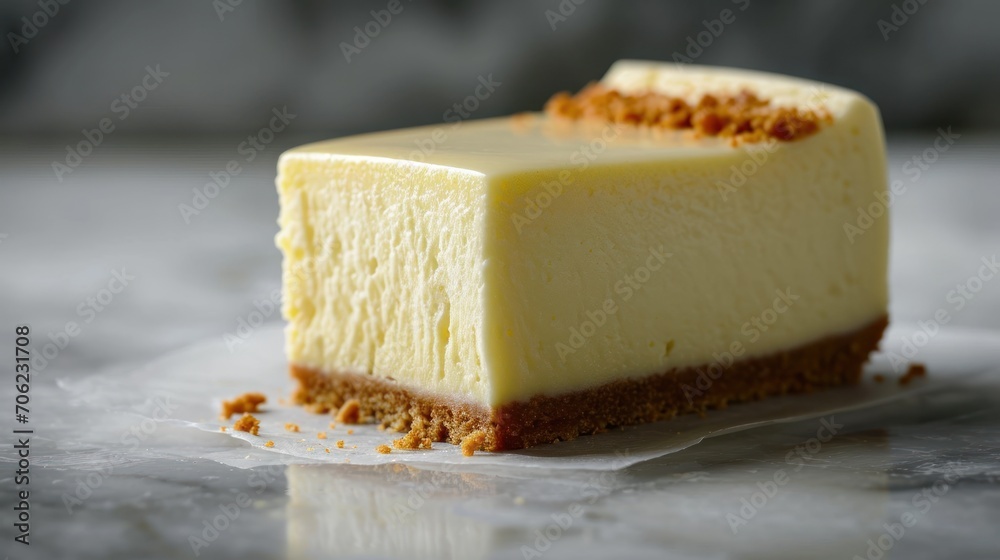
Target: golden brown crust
{"points": [[349, 412], [829, 362], [742, 118]]}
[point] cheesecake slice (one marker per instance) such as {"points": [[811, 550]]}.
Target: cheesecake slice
{"points": [[668, 240]]}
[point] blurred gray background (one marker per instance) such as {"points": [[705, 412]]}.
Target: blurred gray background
{"points": [[231, 61]]}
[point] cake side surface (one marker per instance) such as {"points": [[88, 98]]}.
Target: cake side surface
{"points": [[610, 270], [381, 270], [829, 362]]}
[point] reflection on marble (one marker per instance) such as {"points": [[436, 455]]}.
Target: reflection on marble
{"points": [[831, 488], [793, 490], [384, 510]]}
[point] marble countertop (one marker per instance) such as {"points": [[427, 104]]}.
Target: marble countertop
{"points": [[915, 479]]}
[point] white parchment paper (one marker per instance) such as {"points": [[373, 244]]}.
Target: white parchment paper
{"points": [[187, 387]]}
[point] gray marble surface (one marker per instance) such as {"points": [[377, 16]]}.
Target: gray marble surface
{"points": [[106, 485]]}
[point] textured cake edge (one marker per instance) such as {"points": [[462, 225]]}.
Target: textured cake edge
{"points": [[829, 362]]}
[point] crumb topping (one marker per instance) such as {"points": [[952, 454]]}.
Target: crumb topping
{"points": [[914, 372], [350, 412], [292, 427], [247, 402], [742, 118], [340, 444], [247, 423], [473, 442], [384, 449], [269, 443]]}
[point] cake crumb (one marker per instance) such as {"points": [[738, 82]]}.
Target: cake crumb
{"points": [[333, 425], [247, 424], [915, 371], [321, 435], [327, 449], [384, 449], [247, 402], [340, 444], [878, 378], [310, 449], [292, 427], [413, 440], [473, 442], [350, 432], [222, 428], [350, 413], [269, 443], [354, 447]]}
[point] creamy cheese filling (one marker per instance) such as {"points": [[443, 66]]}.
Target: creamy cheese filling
{"points": [[496, 260]]}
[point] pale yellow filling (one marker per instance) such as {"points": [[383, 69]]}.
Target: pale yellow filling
{"points": [[500, 259]]}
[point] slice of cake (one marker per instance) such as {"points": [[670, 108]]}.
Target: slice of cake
{"points": [[668, 240]]}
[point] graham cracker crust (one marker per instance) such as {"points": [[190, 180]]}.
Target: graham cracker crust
{"points": [[829, 362]]}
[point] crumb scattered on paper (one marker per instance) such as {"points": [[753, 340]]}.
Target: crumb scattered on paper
{"points": [[247, 402], [340, 444], [384, 449], [413, 440], [321, 435], [292, 427], [247, 424], [269, 443]]}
